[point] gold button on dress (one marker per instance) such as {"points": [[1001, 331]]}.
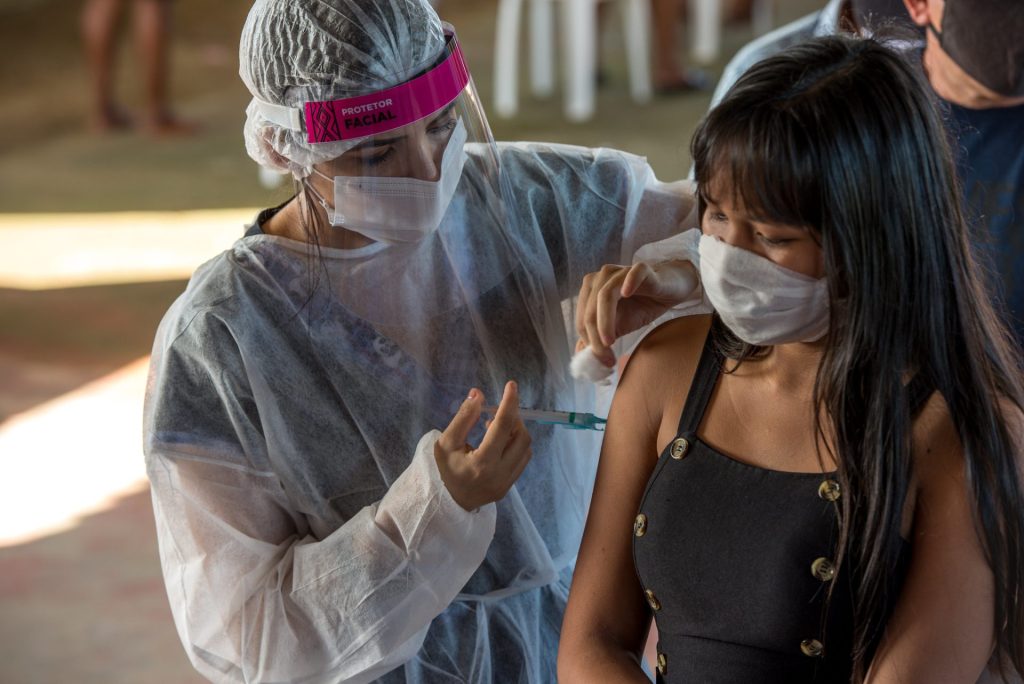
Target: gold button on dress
{"points": [[679, 448], [823, 569], [652, 600], [640, 525], [829, 490], [662, 664], [812, 648]]}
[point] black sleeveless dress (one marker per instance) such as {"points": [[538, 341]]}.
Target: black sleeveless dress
{"points": [[736, 562]]}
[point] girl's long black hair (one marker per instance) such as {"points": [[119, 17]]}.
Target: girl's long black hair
{"points": [[843, 135]]}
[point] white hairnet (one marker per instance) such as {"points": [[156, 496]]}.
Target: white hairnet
{"points": [[295, 51]]}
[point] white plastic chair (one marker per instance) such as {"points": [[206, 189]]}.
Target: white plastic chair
{"points": [[579, 40]]}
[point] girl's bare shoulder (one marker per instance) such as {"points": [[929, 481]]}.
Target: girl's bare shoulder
{"points": [[938, 452], [658, 375], [672, 349]]}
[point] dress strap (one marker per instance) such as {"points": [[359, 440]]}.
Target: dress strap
{"points": [[704, 380]]}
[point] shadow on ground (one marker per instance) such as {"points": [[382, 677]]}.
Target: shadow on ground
{"points": [[52, 341], [88, 605]]}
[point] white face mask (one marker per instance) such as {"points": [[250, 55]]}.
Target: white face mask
{"points": [[762, 302], [392, 209]]}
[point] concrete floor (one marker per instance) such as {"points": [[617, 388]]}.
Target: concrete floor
{"points": [[81, 597], [87, 605]]}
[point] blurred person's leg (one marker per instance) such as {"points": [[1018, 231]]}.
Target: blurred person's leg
{"points": [[152, 33], [99, 31], [739, 11], [669, 76], [666, 16]]}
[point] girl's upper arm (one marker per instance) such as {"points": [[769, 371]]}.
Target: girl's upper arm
{"points": [[942, 626], [607, 619]]}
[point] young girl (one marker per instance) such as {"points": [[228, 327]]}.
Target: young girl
{"points": [[823, 478]]}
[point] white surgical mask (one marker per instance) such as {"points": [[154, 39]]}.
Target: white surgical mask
{"points": [[395, 210], [760, 301]]}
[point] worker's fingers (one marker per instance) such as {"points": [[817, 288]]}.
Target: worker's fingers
{"points": [[581, 306], [607, 307], [636, 280], [518, 453], [454, 436], [504, 422], [604, 286]]}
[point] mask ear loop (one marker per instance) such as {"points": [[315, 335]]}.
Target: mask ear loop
{"points": [[331, 211]]}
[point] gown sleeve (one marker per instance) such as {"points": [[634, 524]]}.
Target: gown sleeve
{"points": [[592, 206], [256, 596]]}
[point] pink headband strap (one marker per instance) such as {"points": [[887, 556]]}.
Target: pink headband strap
{"points": [[386, 110]]}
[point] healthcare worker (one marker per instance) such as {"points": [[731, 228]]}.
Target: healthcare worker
{"points": [[330, 507]]}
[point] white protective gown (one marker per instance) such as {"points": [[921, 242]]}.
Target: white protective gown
{"points": [[305, 534]]}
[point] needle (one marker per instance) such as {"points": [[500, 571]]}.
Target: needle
{"points": [[571, 420]]}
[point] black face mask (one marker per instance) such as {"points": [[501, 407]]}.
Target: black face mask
{"points": [[986, 39]]}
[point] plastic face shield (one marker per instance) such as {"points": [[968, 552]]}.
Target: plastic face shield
{"points": [[415, 168], [405, 149]]}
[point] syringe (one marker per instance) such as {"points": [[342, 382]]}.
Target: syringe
{"points": [[567, 419]]}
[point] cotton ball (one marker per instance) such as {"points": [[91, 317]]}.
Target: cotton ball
{"points": [[586, 366]]}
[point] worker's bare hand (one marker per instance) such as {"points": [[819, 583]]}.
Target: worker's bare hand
{"points": [[477, 476], [617, 300]]}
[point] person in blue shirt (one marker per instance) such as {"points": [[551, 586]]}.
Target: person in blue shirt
{"points": [[973, 55]]}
